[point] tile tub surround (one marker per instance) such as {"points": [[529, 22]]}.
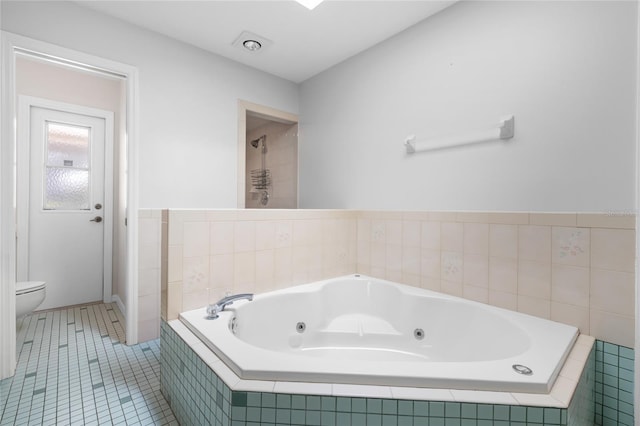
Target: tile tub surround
{"points": [[614, 366], [210, 253], [202, 390], [575, 268]]}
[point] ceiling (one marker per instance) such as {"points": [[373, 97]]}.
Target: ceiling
{"points": [[303, 42]]}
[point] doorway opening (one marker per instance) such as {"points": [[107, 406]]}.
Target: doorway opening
{"points": [[267, 158], [70, 185]]}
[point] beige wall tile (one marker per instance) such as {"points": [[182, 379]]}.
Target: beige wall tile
{"points": [[533, 306], [174, 267], [393, 275], [619, 220], [612, 328], [451, 237], [503, 241], [364, 253], [509, 218], [378, 255], [613, 291], [195, 300], [472, 217], [430, 264], [283, 266], [195, 274], [393, 260], [265, 270], [503, 300], [148, 330], [553, 219], [149, 307], [451, 268], [410, 279], [570, 285], [329, 231], [378, 231], [306, 232], [570, 246], [476, 270], [244, 271], [393, 232], [476, 238], [364, 229], [411, 233], [221, 237], [244, 236], [284, 233], [221, 270], [174, 300], [576, 316], [149, 256], [196, 239], [266, 235], [479, 294], [149, 231], [148, 282], [534, 243], [613, 249], [534, 279], [503, 275], [442, 216], [452, 288], [430, 283], [411, 260], [430, 235]]}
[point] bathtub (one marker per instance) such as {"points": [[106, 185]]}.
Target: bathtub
{"points": [[361, 330]]}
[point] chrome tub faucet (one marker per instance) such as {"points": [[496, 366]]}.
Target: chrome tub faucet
{"points": [[214, 309]]}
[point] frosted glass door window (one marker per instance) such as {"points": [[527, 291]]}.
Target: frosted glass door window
{"points": [[67, 167]]}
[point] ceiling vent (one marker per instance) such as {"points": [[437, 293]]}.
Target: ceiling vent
{"points": [[252, 42]]}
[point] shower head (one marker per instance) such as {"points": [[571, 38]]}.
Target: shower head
{"points": [[254, 143]]}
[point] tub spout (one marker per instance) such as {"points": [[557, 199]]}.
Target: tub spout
{"points": [[214, 309]]}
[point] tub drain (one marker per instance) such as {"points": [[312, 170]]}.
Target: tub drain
{"points": [[522, 369], [301, 327], [418, 333]]}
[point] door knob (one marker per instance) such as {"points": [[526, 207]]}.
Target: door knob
{"points": [[97, 219]]}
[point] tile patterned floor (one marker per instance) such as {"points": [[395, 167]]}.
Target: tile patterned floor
{"points": [[73, 369]]}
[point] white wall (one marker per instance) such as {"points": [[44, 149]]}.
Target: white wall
{"points": [[567, 70], [188, 99]]}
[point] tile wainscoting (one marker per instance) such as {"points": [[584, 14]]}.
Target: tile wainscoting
{"points": [[198, 395]]}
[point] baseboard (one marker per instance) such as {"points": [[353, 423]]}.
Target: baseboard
{"points": [[116, 299]]}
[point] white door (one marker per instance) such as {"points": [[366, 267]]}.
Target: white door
{"points": [[66, 205]]}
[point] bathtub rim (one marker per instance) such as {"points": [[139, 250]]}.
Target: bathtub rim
{"points": [[560, 395]]}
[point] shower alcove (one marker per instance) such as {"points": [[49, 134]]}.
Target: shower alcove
{"points": [[267, 158]]}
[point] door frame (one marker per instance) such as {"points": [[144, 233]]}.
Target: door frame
{"points": [[11, 46], [262, 111], [23, 175]]}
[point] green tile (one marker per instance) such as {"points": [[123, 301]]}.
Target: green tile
{"points": [[436, 421], [485, 411], [389, 420], [298, 417], [535, 415], [625, 419], [611, 370], [469, 422], [420, 421], [389, 406], [405, 408], [313, 418], [313, 402], [421, 408], [358, 405], [611, 359], [343, 404], [625, 397], [268, 415], [626, 408], [485, 422], [501, 412], [610, 402], [626, 385], [328, 418], [238, 413], [283, 401], [268, 400], [298, 402], [627, 353], [451, 422], [253, 414], [374, 406], [610, 348], [436, 409], [626, 375], [626, 364], [469, 411], [359, 419], [374, 419], [328, 403], [344, 419], [405, 420], [283, 415], [552, 416], [452, 409], [239, 399]]}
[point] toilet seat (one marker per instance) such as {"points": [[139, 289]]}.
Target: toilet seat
{"points": [[24, 287]]}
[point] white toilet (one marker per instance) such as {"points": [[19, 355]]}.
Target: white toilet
{"points": [[29, 295]]}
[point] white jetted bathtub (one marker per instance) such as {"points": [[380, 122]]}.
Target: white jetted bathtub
{"points": [[361, 330]]}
